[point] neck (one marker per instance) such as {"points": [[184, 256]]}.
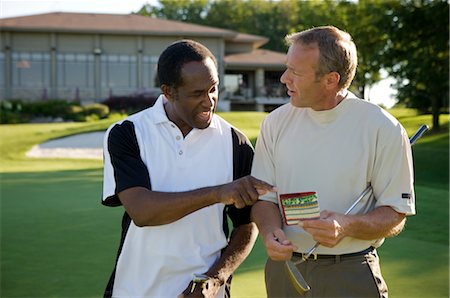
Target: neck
{"points": [[330, 100], [341, 95], [184, 128]]}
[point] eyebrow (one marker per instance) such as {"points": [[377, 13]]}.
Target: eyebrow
{"points": [[292, 68], [202, 90]]}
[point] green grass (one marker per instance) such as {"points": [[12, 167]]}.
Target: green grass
{"points": [[58, 241], [17, 139]]}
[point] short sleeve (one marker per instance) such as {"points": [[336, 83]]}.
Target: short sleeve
{"points": [[242, 164], [393, 176], [123, 165]]}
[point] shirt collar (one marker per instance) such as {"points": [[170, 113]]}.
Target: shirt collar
{"points": [[160, 115]]}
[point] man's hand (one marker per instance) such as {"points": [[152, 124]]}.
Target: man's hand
{"points": [[243, 192], [207, 290], [189, 292], [328, 230], [332, 227], [278, 247]]}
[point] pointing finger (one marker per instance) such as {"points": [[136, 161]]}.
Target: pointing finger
{"points": [[261, 186]]}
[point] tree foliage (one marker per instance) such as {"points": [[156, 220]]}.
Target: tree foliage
{"points": [[408, 38], [417, 53]]}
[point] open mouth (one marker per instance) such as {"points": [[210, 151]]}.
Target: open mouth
{"points": [[204, 116]]}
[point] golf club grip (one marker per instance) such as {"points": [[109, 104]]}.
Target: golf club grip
{"points": [[418, 134]]}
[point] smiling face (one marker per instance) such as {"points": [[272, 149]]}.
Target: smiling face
{"points": [[304, 88], [193, 103]]}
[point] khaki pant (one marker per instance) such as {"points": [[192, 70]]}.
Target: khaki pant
{"points": [[356, 276]]}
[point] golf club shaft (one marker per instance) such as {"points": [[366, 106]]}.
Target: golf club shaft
{"points": [[362, 195], [422, 129]]}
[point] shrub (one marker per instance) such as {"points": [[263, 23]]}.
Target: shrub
{"points": [[16, 111], [130, 104], [11, 111], [101, 110], [50, 108], [74, 113]]}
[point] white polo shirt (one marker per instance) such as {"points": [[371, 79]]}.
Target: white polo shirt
{"points": [[148, 150], [336, 153]]}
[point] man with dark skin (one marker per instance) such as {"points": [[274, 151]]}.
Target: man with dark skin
{"points": [[179, 170]]}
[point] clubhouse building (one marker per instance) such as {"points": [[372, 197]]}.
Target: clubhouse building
{"points": [[91, 57]]}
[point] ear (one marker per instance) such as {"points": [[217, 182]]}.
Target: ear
{"points": [[331, 80], [167, 91]]}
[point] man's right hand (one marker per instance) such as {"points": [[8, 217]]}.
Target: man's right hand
{"points": [[243, 192], [278, 247]]}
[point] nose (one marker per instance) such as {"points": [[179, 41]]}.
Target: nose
{"points": [[283, 78], [209, 100]]}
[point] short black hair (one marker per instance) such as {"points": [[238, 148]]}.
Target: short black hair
{"points": [[174, 57]]}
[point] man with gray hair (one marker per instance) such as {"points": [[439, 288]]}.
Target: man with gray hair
{"points": [[321, 151]]}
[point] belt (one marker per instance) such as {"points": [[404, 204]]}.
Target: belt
{"points": [[337, 257]]}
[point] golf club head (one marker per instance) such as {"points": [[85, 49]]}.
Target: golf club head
{"points": [[296, 278]]}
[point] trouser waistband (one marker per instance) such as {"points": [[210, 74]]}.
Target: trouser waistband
{"points": [[337, 257]]}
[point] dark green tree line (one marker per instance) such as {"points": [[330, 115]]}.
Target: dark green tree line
{"points": [[408, 38], [417, 54]]}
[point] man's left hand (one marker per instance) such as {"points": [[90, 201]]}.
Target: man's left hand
{"points": [[328, 230], [207, 290], [189, 292]]}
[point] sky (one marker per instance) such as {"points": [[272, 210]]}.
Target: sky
{"points": [[14, 8], [382, 93], [379, 93]]}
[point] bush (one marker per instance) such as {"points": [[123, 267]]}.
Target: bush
{"points": [[11, 111], [51, 108], [130, 104], [16, 111], [74, 113], [101, 110], [8, 117]]}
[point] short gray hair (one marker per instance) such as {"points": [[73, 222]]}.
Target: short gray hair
{"points": [[337, 51]]}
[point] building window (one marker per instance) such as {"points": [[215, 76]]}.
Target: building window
{"points": [[119, 73], [75, 70], [2, 70], [149, 77], [2, 74], [30, 70]]}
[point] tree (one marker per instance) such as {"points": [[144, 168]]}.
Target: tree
{"points": [[360, 19], [363, 21], [192, 11], [417, 54], [408, 38]]}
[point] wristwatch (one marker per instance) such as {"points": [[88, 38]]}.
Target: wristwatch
{"points": [[198, 280], [204, 281]]}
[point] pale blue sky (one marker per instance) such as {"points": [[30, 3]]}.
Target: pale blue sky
{"points": [[14, 8]]}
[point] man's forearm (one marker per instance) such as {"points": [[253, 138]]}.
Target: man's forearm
{"points": [[241, 243], [379, 223], [152, 208], [266, 217]]}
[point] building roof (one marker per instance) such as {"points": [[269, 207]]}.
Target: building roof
{"points": [[108, 23], [255, 39], [256, 58]]}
